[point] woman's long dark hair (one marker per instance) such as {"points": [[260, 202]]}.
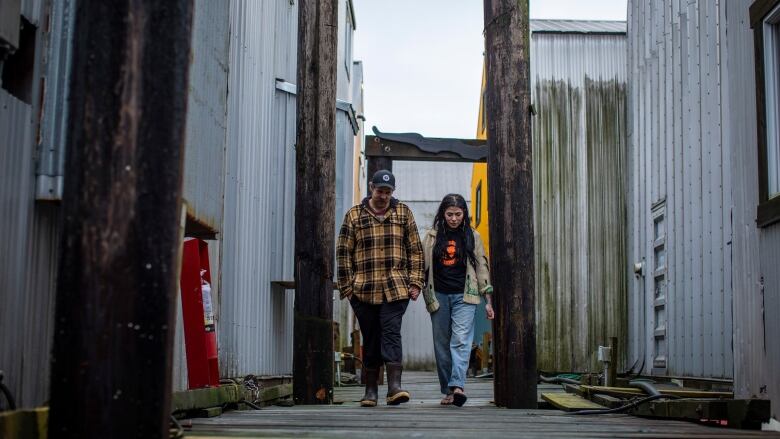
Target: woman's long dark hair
{"points": [[440, 225]]}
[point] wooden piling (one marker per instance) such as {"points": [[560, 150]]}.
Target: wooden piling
{"points": [[115, 306], [315, 202], [510, 200]]}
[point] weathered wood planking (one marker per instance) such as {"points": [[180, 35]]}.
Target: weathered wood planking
{"points": [[569, 402], [424, 417]]}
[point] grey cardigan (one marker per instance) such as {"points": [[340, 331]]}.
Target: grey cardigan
{"points": [[477, 278]]}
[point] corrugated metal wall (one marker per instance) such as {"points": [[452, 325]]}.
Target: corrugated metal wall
{"points": [[204, 160], [755, 252], [579, 91], [28, 256], [255, 322], [770, 261], [422, 185], [739, 86], [681, 189]]}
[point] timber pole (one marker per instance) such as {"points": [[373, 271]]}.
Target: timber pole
{"points": [[115, 306], [315, 202], [510, 200]]}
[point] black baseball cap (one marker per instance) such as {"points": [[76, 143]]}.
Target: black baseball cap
{"points": [[383, 178]]}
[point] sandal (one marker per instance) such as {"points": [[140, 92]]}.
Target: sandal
{"points": [[459, 398], [447, 400]]}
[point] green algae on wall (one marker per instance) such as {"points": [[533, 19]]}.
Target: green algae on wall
{"points": [[580, 228]]}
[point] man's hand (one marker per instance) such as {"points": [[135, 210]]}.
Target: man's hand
{"points": [[414, 292]]}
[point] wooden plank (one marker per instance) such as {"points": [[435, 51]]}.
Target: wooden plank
{"points": [[749, 413], [25, 424], [204, 398], [570, 403], [607, 401], [630, 391], [315, 199]]}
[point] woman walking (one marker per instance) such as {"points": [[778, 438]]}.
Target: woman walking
{"points": [[457, 274]]}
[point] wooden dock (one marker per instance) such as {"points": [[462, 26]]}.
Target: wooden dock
{"points": [[424, 417]]}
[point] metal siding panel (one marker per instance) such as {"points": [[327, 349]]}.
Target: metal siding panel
{"points": [[422, 186], [54, 120], [770, 260], [32, 10], [754, 374], [256, 319], [578, 84], [677, 274], [681, 148], [204, 161], [16, 177], [40, 291]]}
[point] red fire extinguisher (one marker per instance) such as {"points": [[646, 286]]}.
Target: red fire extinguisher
{"points": [[200, 337]]}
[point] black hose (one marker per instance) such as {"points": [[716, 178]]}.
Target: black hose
{"points": [[8, 396], [558, 380], [621, 408]]}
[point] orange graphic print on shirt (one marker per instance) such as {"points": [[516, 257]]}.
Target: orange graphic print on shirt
{"points": [[449, 258]]}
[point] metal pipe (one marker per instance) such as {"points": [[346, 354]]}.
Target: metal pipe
{"points": [[646, 386]]}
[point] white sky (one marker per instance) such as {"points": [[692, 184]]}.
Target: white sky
{"points": [[422, 59]]}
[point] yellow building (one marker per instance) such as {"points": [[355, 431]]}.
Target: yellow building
{"points": [[479, 213]]}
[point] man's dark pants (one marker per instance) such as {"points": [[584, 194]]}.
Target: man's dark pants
{"points": [[381, 329]]}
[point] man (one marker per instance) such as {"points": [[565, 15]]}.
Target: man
{"points": [[380, 267]]}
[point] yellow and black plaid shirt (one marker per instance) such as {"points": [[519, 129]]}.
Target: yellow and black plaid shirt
{"points": [[379, 260]]}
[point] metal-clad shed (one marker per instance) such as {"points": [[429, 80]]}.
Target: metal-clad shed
{"points": [[578, 86], [29, 254], [255, 318], [680, 190], [704, 303]]}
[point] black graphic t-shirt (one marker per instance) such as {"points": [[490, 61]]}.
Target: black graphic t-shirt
{"points": [[449, 271]]}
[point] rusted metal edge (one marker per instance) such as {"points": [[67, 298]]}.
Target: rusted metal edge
{"points": [[467, 149]]}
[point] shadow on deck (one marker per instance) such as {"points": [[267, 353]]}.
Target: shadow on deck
{"points": [[424, 417]]}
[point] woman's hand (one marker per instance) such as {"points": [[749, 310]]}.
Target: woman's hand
{"points": [[489, 311]]}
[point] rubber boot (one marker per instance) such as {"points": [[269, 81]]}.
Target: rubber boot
{"points": [[395, 395], [372, 390]]}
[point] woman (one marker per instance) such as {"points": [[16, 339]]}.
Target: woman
{"points": [[457, 274]]}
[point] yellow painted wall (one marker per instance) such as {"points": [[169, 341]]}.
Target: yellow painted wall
{"points": [[479, 178]]}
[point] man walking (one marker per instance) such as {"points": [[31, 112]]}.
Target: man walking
{"points": [[380, 267]]}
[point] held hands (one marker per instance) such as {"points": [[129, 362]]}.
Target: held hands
{"points": [[414, 292], [489, 311]]}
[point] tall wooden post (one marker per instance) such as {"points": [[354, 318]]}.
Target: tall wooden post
{"points": [[315, 202], [510, 200], [113, 334]]}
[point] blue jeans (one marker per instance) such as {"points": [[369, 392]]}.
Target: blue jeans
{"points": [[453, 332]]}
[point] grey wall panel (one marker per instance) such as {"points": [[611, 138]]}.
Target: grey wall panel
{"points": [[751, 374], [31, 9], [579, 90], [28, 257], [204, 162], [770, 260], [16, 210], [40, 291], [422, 185], [255, 327], [683, 161]]}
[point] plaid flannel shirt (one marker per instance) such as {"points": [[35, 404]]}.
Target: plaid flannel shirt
{"points": [[379, 259]]}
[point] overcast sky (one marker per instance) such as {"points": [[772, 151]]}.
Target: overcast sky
{"points": [[423, 59]]}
